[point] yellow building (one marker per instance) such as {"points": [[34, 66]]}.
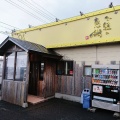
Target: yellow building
{"points": [[83, 41]]}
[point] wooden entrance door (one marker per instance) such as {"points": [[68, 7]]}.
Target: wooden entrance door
{"points": [[34, 78]]}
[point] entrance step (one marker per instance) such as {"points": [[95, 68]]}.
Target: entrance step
{"points": [[35, 99]]}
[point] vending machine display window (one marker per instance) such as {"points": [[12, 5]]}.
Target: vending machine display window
{"points": [[97, 89]]}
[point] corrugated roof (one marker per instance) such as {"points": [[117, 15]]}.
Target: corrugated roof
{"points": [[27, 46]]}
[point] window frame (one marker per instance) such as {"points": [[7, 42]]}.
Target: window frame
{"points": [[5, 75], [41, 70], [14, 65], [65, 68], [87, 66], [16, 62]]}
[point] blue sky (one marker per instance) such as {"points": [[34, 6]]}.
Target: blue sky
{"points": [[60, 9]]}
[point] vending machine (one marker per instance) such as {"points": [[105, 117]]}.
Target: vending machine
{"points": [[106, 87]]}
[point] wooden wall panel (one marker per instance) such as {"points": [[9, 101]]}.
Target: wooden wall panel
{"points": [[77, 79], [49, 78], [41, 88], [88, 82], [13, 92], [58, 83], [71, 85], [62, 84]]}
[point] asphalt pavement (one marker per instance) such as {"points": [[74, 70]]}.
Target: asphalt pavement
{"points": [[53, 109]]}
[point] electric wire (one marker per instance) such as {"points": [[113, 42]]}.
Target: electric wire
{"points": [[5, 27], [5, 33], [43, 8], [39, 12], [9, 25], [26, 11]]}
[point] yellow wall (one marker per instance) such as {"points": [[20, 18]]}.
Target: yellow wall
{"points": [[103, 26]]}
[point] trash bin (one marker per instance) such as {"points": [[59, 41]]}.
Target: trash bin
{"points": [[86, 98], [83, 92]]}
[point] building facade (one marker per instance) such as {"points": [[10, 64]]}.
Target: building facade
{"points": [[83, 41]]}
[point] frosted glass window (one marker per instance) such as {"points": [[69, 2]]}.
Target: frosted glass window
{"points": [[87, 71], [21, 63], [16, 63], [9, 70]]}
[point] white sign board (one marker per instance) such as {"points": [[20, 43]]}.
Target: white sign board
{"points": [[97, 89]]}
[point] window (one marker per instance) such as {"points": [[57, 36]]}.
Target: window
{"points": [[20, 60], [87, 70], [41, 70], [60, 68], [21, 63], [65, 68], [10, 57]]}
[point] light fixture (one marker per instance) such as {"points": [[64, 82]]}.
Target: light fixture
{"points": [[111, 6], [30, 26], [13, 30], [81, 13], [57, 19]]}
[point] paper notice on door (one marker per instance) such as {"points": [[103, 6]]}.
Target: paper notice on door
{"points": [[97, 89]]}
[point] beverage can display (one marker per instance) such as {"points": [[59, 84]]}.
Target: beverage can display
{"points": [[106, 71]]}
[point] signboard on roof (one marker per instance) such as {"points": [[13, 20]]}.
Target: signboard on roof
{"points": [[93, 28]]}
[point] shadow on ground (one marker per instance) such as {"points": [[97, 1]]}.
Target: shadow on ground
{"points": [[54, 109]]}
